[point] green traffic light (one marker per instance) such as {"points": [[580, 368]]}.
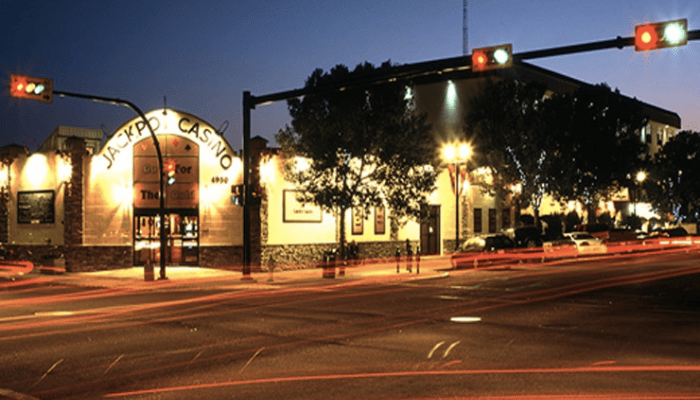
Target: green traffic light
{"points": [[674, 33], [501, 56]]}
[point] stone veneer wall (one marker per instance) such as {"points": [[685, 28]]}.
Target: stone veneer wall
{"points": [[222, 257], [287, 257], [76, 258], [98, 258]]}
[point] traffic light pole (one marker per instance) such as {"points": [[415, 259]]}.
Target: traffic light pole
{"points": [[161, 210], [400, 72]]}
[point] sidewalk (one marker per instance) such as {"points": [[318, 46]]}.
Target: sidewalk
{"points": [[196, 277]]}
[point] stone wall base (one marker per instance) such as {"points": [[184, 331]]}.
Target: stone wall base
{"points": [[287, 257]]}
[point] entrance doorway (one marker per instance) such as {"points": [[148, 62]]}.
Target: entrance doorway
{"points": [[430, 230], [182, 237]]}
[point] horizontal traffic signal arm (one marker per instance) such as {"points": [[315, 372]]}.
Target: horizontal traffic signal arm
{"points": [[408, 72], [618, 42]]}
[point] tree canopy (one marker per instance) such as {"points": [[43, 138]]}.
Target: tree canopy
{"points": [[673, 184], [363, 146], [507, 126], [576, 146], [597, 131]]}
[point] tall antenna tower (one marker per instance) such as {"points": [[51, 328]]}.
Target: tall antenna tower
{"points": [[465, 34]]}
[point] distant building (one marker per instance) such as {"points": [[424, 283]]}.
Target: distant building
{"points": [[57, 141]]}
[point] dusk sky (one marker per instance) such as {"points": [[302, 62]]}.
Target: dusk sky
{"points": [[202, 55]]}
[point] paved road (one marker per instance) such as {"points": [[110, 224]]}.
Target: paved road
{"points": [[621, 327]]}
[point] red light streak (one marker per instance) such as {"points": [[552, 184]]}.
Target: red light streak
{"points": [[287, 296], [402, 374]]}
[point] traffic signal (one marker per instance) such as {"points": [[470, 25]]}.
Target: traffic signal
{"points": [[170, 172], [237, 194], [661, 35], [487, 58], [26, 87]]}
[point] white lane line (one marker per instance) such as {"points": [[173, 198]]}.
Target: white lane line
{"points": [[435, 348], [452, 346]]}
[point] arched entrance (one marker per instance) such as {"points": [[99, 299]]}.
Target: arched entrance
{"points": [[181, 159]]}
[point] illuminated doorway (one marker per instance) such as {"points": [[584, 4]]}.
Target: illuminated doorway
{"points": [[182, 238], [181, 159]]}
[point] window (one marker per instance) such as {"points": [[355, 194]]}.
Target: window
{"points": [[477, 220], [492, 220], [505, 218]]}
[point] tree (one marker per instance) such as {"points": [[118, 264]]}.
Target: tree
{"points": [[507, 125], [599, 149], [364, 146], [673, 185]]}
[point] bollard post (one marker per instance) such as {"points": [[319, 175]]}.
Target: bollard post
{"points": [[418, 259], [329, 264], [148, 271], [409, 256], [398, 259]]}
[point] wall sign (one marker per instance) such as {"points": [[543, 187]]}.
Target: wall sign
{"points": [[296, 211], [36, 207], [183, 155], [358, 220], [379, 220], [178, 126]]}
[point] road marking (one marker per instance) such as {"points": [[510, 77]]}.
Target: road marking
{"points": [[452, 346], [465, 319], [113, 364], [435, 348], [251, 359], [48, 372]]}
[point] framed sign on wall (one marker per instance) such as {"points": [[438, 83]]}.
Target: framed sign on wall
{"points": [[36, 207], [296, 211]]}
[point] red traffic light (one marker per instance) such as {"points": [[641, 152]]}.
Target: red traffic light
{"points": [[487, 58], [661, 35], [27, 87]]}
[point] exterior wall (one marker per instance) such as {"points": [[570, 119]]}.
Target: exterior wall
{"points": [[657, 134], [34, 173], [297, 236]]}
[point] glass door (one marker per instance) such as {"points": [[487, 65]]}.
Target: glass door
{"points": [[182, 238]]}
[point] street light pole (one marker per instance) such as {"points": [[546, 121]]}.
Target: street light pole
{"points": [[456, 155], [456, 206]]}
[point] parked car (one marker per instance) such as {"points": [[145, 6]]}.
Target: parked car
{"points": [[526, 236], [487, 243], [583, 239], [586, 243], [473, 247]]}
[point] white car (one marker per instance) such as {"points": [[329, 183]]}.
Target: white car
{"points": [[586, 243]]}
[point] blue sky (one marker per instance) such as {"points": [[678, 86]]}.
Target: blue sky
{"points": [[202, 55]]}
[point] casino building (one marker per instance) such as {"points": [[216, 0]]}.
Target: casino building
{"points": [[92, 203]]}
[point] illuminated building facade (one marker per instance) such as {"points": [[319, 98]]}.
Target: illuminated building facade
{"points": [[97, 204]]}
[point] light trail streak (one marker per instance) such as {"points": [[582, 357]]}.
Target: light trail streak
{"points": [[403, 374], [380, 322], [394, 322]]}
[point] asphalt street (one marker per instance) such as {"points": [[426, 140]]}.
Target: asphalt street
{"points": [[602, 327]]}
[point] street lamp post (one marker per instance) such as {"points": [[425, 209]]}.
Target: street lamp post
{"points": [[457, 155], [638, 180]]}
